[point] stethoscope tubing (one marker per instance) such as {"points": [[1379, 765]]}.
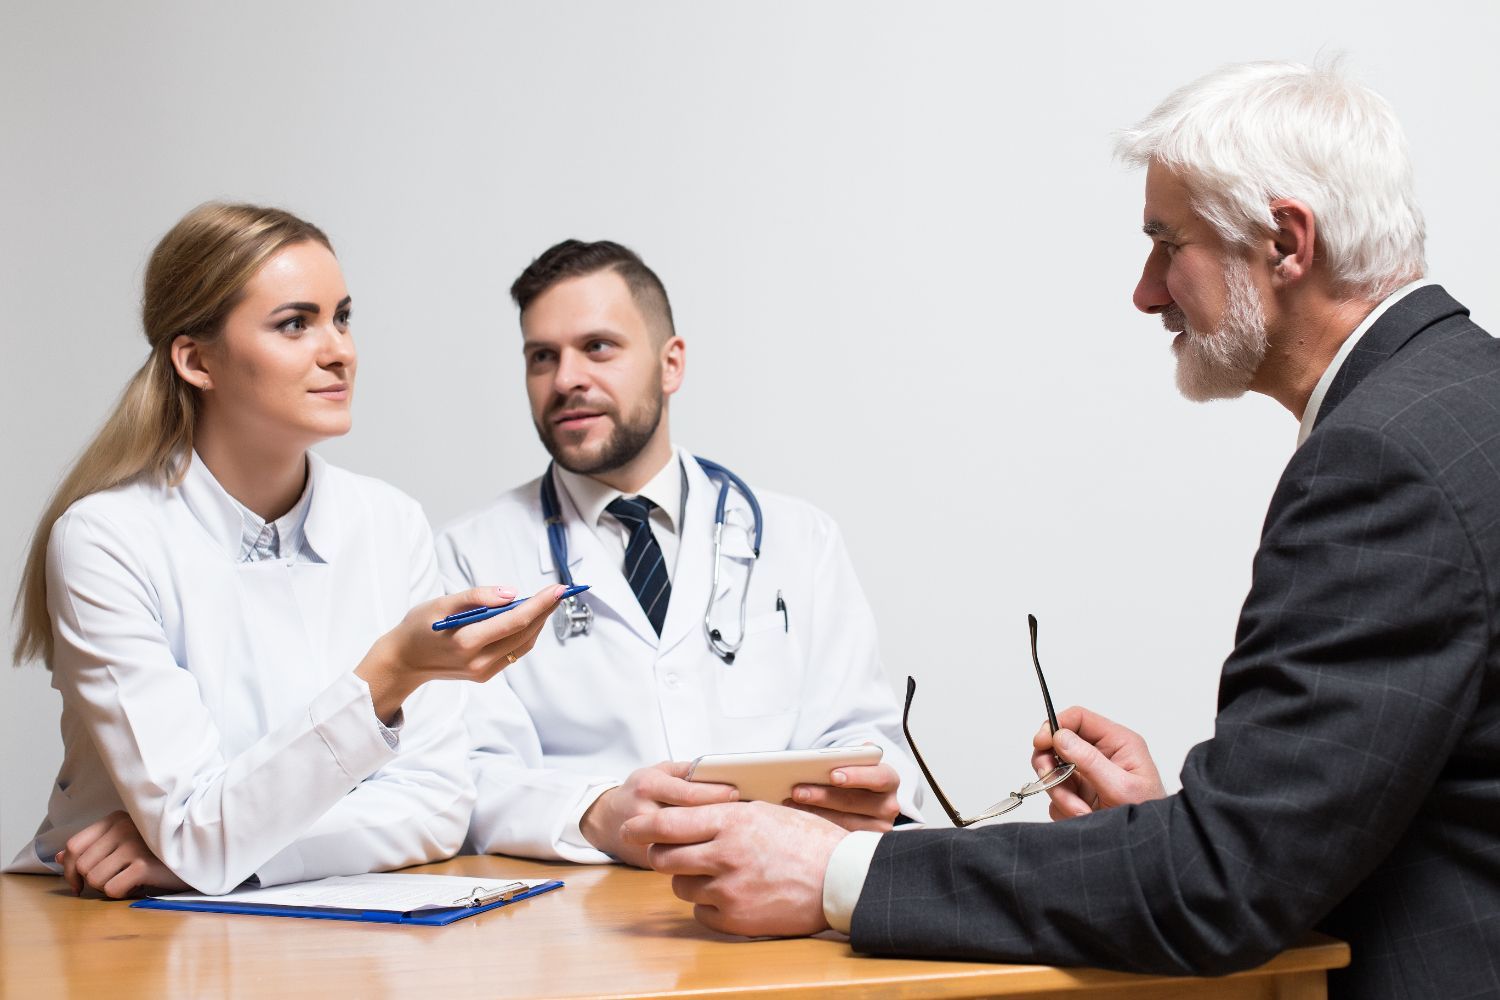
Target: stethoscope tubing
{"points": [[557, 542]]}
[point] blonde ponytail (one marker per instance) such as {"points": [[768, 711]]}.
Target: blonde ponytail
{"points": [[196, 275]]}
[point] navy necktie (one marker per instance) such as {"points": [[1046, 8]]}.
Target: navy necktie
{"points": [[645, 568]]}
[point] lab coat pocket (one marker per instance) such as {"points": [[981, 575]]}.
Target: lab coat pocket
{"points": [[766, 675]]}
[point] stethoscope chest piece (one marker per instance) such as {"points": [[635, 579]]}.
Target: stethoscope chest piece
{"points": [[572, 617]]}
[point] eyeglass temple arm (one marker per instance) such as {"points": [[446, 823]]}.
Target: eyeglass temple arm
{"points": [[911, 689], [1046, 695]]}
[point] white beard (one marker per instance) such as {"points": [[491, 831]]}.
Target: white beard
{"points": [[1220, 365]]}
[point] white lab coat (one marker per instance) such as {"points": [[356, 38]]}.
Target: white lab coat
{"points": [[214, 700], [574, 718]]}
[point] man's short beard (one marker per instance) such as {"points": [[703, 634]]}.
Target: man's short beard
{"points": [[1221, 365], [628, 439]]}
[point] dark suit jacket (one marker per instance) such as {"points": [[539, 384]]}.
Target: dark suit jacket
{"points": [[1353, 781]]}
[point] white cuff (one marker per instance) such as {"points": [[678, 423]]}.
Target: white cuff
{"points": [[341, 715], [845, 878], [571, 834]]}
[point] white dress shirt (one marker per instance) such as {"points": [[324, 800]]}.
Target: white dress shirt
{"points": [[590, 497], [575, 717], [262, 539], [213, 698]]}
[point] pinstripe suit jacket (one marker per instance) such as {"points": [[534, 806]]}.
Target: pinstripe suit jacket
{"points": [[1353, 781]]}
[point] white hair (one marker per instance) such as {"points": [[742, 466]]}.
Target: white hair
{"points": [[1248, 134]]}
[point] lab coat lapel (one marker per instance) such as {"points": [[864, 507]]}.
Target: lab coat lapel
{"points": [[323, 528], [591, 564]]}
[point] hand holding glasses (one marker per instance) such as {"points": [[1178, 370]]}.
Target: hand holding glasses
{"points": [[1062, 772]]}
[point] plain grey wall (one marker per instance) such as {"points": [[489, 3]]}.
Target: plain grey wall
{"points": [[895, 242]]}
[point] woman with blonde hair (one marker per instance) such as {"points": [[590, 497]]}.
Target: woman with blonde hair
{"points": [[239, 630]]}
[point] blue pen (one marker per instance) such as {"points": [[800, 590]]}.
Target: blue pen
{"points": [[480, 614]]}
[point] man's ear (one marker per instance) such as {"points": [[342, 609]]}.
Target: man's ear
{"points": [[188, 358], [1294, 243], [673, 365]]}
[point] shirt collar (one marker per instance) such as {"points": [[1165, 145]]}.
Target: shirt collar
{"points": [[666, 489], [278, 539], [233, 526], [1315, 401]]}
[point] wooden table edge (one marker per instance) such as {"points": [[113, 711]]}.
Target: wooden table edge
{"points": [[1316, 953]]}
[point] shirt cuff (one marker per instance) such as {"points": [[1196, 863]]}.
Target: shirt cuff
{"points": [[845, 878], [392, 733], [572, 831]]}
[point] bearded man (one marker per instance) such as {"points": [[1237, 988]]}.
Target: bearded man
{"points": [[1353, 781], [598, 724]]}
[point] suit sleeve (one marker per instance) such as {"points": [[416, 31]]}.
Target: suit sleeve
{"points": [[1357, 663], [846, 696]]}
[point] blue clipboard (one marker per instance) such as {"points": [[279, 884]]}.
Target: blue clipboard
{"points": [[425, 918]]}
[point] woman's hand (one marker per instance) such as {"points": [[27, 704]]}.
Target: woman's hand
{"points": [[111, 857], [411, 654]]}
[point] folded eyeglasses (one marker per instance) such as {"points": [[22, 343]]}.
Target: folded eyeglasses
{"points": [[1062, 772]]}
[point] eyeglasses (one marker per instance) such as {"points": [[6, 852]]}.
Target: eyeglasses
{"points": [[1062, 772]]}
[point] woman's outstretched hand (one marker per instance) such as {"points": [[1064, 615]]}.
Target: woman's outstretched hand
{"points": [[411, 654]]}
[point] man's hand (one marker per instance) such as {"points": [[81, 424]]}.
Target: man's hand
{"points": [[646, 791], [111, 857], [862, 797], [747, 867], [1112, 766]]}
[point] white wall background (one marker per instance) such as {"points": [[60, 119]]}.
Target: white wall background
{"points": [[894, 239]]}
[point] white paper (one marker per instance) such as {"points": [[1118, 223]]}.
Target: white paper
{"points": [[395, 893]]}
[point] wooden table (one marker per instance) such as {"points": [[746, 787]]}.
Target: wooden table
{"points": [[612, 932]]}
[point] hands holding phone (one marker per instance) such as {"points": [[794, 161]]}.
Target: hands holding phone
{"points": [[862, 797], [847, 786], [646, 791]]}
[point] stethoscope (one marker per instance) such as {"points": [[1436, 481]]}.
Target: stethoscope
{"points": [[575, 617]]}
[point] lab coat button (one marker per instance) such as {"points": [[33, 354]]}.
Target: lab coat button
{"points": [[672, 681]]}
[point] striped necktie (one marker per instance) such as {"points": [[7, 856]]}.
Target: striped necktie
{"points": [[645, 569]]}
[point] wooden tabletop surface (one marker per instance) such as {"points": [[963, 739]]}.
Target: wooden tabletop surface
{"points": [[611, 932]]}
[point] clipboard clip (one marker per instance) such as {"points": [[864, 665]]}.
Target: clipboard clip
{"points": [[482, 896]]}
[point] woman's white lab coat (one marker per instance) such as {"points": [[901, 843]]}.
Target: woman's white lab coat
{"points": [[214, 700]]}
